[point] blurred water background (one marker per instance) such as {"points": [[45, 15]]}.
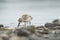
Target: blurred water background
{"points": [[42, 11]]}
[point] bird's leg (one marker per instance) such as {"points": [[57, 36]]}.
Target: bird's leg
{"points": [[25, 24], [18, 24], [29, 22]]}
